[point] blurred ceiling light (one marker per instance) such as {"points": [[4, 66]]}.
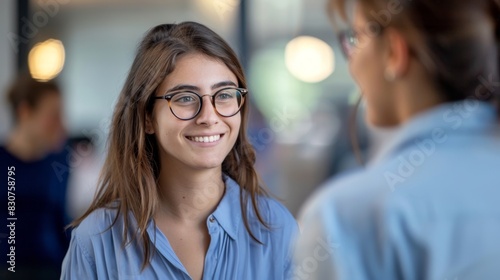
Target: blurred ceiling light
{"points": [[309, 59], [220, 10], [46, 60]]}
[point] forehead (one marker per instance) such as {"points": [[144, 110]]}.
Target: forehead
{"points": [[359, 17], [198, 70]]}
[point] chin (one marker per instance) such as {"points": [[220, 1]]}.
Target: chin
{"points": [[379, 120], [207, 165]]}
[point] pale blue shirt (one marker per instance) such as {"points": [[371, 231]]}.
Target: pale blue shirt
{"points": [[429, 208], [96, 253]]}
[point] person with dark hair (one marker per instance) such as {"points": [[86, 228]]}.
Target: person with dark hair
{"points": [[35, 194], [179, 197], [426, 207]]}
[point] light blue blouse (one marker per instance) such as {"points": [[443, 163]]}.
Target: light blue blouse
{"points": [[429, 208], [95, 253]]}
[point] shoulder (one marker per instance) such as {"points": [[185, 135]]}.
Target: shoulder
{"points": [[2, 149], [5, 155], [275, 212], [354, 198], [346, 215], [272, 211], [92, 246], [281, 227], [99, 222]]}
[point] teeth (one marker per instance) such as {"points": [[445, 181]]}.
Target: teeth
{"points": [[205, 139]]}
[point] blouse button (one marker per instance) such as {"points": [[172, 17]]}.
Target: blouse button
{"points": [[212, 219]]}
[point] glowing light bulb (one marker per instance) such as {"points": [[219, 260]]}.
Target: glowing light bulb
{"points": [[46, 60], [309, 59]]}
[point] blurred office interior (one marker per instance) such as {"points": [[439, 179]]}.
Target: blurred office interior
{"points": [[300, 89]]}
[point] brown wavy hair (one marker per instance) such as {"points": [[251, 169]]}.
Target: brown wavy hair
{"points": [[131, 170], [27, 90]]}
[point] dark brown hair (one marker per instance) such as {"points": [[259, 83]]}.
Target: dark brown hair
{"points": [[456, 40], [27, 90], [131, 169]]}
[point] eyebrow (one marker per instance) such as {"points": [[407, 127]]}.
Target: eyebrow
{"points": [[195, 88]]}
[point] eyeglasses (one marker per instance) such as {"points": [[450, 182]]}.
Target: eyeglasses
{"points": [[348, 41], [186, 105]]}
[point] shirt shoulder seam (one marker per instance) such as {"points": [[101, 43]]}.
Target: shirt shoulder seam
{"points": [[84, 250]]}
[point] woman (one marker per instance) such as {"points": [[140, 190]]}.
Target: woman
{"points": [[427, 208], [179, 197]]}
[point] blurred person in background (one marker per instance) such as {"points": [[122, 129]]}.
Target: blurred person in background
{"points": [[178, 196], [34, 152], [427, 206]]}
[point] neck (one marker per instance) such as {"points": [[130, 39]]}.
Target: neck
{"points": [[189, 196], [413, 98], [20, 145]]}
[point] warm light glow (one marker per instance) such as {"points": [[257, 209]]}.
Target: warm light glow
{"points": [[220, 10], [309, 59], [46, 60]]}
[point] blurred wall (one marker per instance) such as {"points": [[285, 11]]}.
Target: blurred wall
{"points": [[7, 59]]}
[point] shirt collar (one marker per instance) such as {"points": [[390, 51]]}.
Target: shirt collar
{"points": [[228, 212], [225, 215], [448, 118]]}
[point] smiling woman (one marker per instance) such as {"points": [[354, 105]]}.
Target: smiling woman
{"points": [[179, 165]]}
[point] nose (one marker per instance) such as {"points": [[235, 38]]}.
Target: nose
{"points": [[207, 116]]}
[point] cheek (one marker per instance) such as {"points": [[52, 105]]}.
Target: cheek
{"points": [[366, 63], [167, 136], [235, 125], [368, 72], [167, 129], [364, 67]]}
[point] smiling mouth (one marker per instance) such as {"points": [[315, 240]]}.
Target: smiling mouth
{"points": [[205, 139]]}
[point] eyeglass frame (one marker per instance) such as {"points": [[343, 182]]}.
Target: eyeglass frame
{"points": [[346, 37], [343, 36], [351, 34], [170, 95]]}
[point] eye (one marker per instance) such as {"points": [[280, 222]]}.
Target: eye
{"points": [[225, 95], [184, 98], [353, 38]]}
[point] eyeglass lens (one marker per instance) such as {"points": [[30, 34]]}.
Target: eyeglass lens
{"points": [[348, 41], [186, 105]]}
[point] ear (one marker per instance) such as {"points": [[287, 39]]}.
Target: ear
{"points": [[398, 55], [149, 125]]}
